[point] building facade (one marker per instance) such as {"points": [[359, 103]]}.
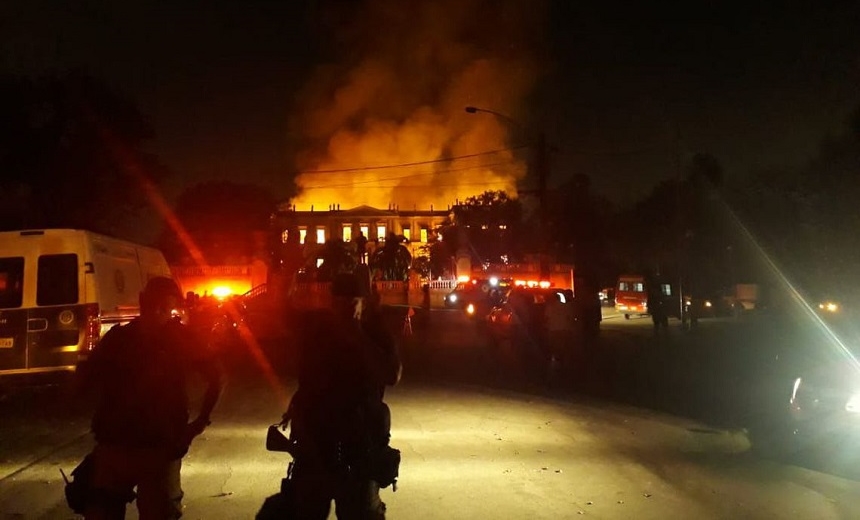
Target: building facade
{"points": [[305, 232]]}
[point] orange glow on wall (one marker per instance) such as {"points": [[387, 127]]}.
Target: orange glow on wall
{"points": [[220, 289], [220, 281]]}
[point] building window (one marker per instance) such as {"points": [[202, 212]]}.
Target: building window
{"points": [[424, 235], [285, 235], [380, 232], [320, 235], [365, 230], [303, 235], [407, 234], [347, 232]]}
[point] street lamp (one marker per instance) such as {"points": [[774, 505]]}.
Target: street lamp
{"points": [[541, 165], [509, 119]]}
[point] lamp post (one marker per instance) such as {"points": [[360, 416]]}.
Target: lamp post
{"points": [[541, 166]]}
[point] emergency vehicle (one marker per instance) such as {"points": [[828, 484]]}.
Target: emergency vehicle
{"points": [[61, 290], [631, 296]]}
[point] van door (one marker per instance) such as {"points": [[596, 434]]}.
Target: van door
{"points": [[13, 318], [56, 324]]}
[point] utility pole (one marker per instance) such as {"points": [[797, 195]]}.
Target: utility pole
{"points": [[542, 170], [679, 222], [540, 166]]}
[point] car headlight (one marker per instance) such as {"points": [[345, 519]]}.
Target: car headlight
{"points": [[853, 404], [470, 309], [829, 306], [452, 298], [803, 400]]}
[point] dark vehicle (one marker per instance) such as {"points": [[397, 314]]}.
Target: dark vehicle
{"points": [[634, 291], [706, 306], [607, 297], [522, 302], [526, 311], [545, 326], [815, 404], [477, 296], [824, 405]]}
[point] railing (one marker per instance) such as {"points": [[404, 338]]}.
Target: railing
{"points": [[256, 291], [443, 284], [212, 270], [311, 294]]}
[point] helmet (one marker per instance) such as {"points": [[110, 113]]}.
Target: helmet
{"points": [[158, 290]]}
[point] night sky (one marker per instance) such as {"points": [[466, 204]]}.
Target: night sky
{"points": [[235, 90]]}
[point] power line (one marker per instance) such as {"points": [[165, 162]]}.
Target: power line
{"points": [[419, 163], [435, 185], [423, 174]]}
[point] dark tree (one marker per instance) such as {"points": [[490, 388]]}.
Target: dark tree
{"points": [[224, 220], [806, 219], [683, 230], [392, 260], [336, 258], [421, 264], [70, 152], [491, 223], [578, 228]]}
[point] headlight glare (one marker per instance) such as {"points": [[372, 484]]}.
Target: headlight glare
{"points": [[853, 404]]}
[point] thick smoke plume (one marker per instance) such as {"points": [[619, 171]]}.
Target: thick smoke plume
{"points": [[384, 123]]}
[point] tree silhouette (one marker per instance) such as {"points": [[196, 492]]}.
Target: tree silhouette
{"points": [[336, 258], [221, 217], [806, 218], [70, 152], [491, 222], [392, 260]]}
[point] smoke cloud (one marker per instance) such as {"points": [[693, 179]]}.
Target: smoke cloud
{"points": [[384, 123]]}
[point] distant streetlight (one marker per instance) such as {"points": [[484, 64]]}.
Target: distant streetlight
{"points": [[541, 166], [509, 119]]}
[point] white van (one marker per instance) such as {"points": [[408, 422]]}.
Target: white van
{"points": [[61, 290]]}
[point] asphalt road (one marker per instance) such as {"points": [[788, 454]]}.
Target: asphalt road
{"points": [[648, 426]]}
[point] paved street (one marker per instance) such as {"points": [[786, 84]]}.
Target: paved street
{"points": [[642, 433], [469, 452]]}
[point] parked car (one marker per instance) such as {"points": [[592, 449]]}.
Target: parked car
{"points": [[709, 305]]}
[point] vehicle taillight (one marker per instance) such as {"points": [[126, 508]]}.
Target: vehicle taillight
{"points": [[92, 327]]}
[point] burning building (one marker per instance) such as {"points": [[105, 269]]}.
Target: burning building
{"points": [[306, 231]]}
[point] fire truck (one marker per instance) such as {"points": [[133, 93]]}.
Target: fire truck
{"points": [[560, 277]]}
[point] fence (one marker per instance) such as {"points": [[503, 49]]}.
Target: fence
{"points": [[390, 293]]}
